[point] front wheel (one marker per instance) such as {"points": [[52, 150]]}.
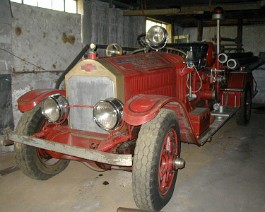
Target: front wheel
{"points": [[154, 173], [34, 162]]}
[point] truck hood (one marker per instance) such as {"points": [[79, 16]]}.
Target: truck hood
{"points": [[145, 73]]}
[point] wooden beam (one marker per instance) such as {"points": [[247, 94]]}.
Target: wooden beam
{"points": [[232, 22], [173, 11], [226, 7], [193, 10], [239, 35], [199, 30]]}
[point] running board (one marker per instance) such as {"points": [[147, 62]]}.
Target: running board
{"points": [[220, 119]]}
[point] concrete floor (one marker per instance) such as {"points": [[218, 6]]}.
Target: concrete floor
{"points": [[227, 174]]}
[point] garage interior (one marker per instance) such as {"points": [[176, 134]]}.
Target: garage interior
{"points": [[37, 44]]}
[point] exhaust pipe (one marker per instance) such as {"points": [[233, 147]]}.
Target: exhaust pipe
{"points": [[222, 58], [232, 64]]}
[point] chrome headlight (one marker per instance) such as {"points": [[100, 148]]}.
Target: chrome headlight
{"points": [[113, 49], [108, 113], [157, 37], [55, 108]]}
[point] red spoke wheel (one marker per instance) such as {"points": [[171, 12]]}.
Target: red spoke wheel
{"points": [[34, 162], [168, 156], [154, 174]]}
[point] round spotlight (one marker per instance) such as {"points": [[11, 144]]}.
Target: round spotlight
{"points": [[157, 37], [113, 49]]}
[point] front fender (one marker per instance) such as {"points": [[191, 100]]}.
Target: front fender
{"points": [[32, 98], [143, 108]]}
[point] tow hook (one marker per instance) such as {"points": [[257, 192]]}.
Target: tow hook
{"points": [[179, 163]]}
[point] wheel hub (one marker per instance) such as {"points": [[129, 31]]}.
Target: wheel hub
{"points": [[179, 163]]}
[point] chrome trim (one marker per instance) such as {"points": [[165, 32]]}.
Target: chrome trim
{"points": [[179, 163], [62, 105], [232, 89], [232, 64], [117, 106], [222, 58]]}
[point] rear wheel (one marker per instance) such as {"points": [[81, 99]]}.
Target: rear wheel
{"points": [[34, 162], [244, 112], [154, 174]]}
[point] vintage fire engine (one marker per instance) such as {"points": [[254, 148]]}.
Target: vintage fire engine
{"points": [[132, 111]]}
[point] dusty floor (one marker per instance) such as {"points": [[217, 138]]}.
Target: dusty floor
{"points": [[227, 174]]}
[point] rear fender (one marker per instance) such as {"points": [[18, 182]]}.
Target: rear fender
{"points": [[32, 98]]}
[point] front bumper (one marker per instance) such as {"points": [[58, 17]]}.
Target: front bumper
{"points": [[94, 155]]}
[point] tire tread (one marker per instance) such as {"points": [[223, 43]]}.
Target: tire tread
{"points": [[26, 155], [144, 161]]}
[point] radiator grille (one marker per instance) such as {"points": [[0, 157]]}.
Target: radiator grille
{"points": [[84, 90]]}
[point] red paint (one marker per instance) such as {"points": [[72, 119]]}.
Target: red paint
{"points": [[201, 121], [149, 63], [88, 67], [205, 94], [143, 108], [186, 129], [168, 155], [210, 55], [151, 81], [84, 139], [236, 80], [32, 98]]}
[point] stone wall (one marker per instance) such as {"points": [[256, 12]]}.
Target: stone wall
{"points": [[41, 43], [6, 63], [45, 42]]}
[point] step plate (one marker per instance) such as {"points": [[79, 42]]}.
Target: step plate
{"points": [[220, 120]]}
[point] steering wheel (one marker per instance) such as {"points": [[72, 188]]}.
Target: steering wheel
{"points": [[175, 51], [141, 40]]}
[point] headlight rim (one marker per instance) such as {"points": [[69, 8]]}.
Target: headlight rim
{"points": [[118, 108], [62, 106]]}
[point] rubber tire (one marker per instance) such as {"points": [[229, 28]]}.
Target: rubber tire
{"points": [[147, 158], [27, 157], [244, 113]]}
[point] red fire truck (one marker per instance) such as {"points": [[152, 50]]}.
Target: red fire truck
{"points": [[132, 111]]}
